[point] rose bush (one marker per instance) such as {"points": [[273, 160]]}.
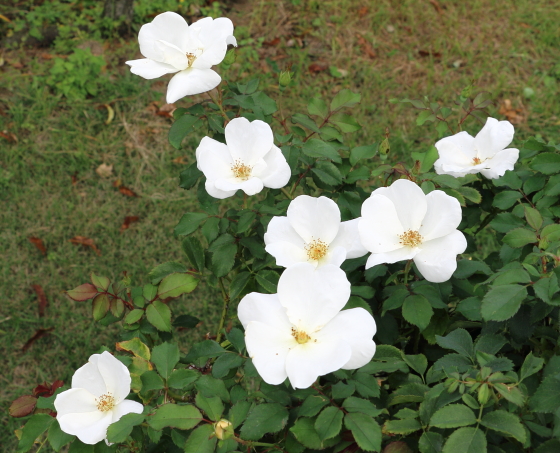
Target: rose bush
{"points": [[389, 328]]}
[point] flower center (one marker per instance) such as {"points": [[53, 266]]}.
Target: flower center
{"points": [[300, 336], [316, 249], [476, 161], [190, 57], [105, 402], [241, 171], [410, 238]]}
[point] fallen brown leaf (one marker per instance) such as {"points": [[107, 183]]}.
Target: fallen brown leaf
{"points": [[363, 11], [183, 160], [10, 136], [104, 170], [39, 244], [85, 241], [166, 110], [427, 53], [436, 6], [74, 179], [42, 299], [126, 191], [513, 115], [366, 46], [317, 67], [47, 56], [272, 42], [127, 221], [39, 334]]}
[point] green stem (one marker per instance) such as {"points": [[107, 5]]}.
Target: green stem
{"points": [[224, 311], [41, 446], [220, 106], [406, 270], [176, 396], [288, 194]]}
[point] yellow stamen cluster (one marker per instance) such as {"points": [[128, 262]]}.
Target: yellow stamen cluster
{"points": [[105, 402], [410, 238], [240, 170], [300, 336], [476, 161], [316, 249]]}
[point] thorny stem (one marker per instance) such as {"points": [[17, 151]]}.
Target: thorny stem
{"points": [[250, 443], [224, 311]]}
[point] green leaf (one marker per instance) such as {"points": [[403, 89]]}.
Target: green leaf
{"points": [[318, 148], [305, 121], [175, 416], [362, 152], [151, 381], [551, 232], [78, 447], [165, 357], [119, 431], [224, 363], [312, 405], [100, 282], [505, 222], [181, 128], [189, 177], [354, 404], [57, 437], [189, 223], [404, 427], [238, 413], [34, 427], [212, 406], [223, 252], [206, 348], [201, 440], [237, 338], [365, 430], [134, 316], [466, 440], [329, 422], [327, 172], [362, 173], [423, 116], [194, 251], [505, 423], [345, 122], [186, 321], [546, 163], [430, 442], [547, 397], [418, 363], [182, 378], [453, 416], [345, 98], [267, 280], [238, 284], [210, 386], [245, 221], [177, 284], [409, 393], [550, 446], [520, 237], [366, 385], [263, 419], [534, 217], [417, 310], [470, 194], [136, 347], [159, 272], [304, 431], [531, 365], [318, 107], [159, 316], [502, 302], [459, 340], [506, 199], [100, 306]]}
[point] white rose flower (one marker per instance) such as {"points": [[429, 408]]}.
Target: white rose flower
{"points": [[248, 161], [312, 232], [300, 332], [462, 154], [96, 399], [400, 223], [171, 46]]}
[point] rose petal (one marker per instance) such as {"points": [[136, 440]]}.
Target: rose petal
{"points": [[170, 27], [493, 137], [456, 154], [191, 81], [248, 141], [115, 375], [89, 427], [314, 218], [264, 308], [409, 201], [348, 237], [379, 227], [88, 377], [503, 160], [404, 253], [126, 407], [150, 69], [214, 159], [277, 172], [442, 217], [75, 401], [437, 259]]}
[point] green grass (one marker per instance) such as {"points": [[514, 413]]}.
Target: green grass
{"points": [[504, 50]]}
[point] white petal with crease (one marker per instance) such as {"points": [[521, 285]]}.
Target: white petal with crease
{"points": [[314, 218]]}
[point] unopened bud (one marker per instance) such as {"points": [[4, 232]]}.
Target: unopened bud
{"points": [[230, 57], [223, 429], [384, 149], [483, 394], [285, 78]]}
